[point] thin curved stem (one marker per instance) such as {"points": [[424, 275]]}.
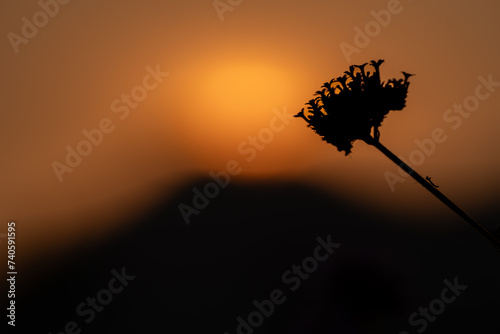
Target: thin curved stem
{"points": [[478, 227]]}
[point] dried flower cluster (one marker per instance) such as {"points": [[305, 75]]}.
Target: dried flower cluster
{"points": [[350, 106]]}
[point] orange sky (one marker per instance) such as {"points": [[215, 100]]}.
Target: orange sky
{"points": [[225, 79]]}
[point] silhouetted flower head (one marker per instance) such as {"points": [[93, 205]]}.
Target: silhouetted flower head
{"points": [[349, 107]]}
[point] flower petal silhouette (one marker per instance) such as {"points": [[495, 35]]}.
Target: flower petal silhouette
{"points": [[343, 113]]}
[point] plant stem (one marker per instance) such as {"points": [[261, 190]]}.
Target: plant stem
{"points": [[478, 227]]}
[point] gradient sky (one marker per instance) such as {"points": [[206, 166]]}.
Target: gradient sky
{"points": [[225, 79]]}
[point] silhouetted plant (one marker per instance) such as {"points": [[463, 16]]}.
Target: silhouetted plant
{"points": [[350, 106], [353, 106]]}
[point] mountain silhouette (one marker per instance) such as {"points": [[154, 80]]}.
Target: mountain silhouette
{"points": [[201, 277]]}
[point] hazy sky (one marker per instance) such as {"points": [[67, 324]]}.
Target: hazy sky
{"points": [[227, 80]]}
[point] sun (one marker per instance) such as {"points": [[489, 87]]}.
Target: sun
{"points": [[232, 101], [240, 95]]}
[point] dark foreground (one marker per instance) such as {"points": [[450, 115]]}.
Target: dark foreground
{"points": [[235, 269]]}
